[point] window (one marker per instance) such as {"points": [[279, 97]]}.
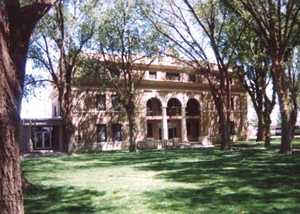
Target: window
{"points": [[154, 107], [117, 134], [54, 111], [152, 75], [89, 102], [192, 108], [115, 102], [172, 133], [101, 102], [192, 78], [173, 76], [102, 74], [174, 107], [101, 133]]}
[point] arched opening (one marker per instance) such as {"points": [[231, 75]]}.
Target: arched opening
{"points": [[192, 108], [154, 107], [174, 107], [174, 124], [193, 119]]}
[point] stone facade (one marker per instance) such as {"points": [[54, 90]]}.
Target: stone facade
{"points": [[174, 105]]}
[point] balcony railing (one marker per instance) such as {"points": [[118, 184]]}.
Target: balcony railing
{"points": [[174, 111]]}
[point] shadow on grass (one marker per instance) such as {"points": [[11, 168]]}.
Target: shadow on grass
{"points": [[249, 166], [212, 200], [48, 200], [248, 179], [109, 159], [253, 180]]}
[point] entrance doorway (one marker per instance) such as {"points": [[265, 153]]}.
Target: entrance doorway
{"points": [[42, 138], [172, 132], [192, 126]]}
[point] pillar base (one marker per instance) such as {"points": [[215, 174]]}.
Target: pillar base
{"points": [[205, 140]]}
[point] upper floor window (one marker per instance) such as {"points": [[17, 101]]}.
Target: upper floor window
{"points": [[101, 133], [154, 107], [173, 76], [89, 102], [192, 108], [115, 102], [192, 78], [101, 102], [174, 107], [153, 75]]}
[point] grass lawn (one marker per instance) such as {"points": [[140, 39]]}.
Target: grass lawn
{"points": [[248, 179]]}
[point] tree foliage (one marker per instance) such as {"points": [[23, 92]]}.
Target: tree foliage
{"points": [[277, 25], [124, 41], [253, 67], [60, 38]]}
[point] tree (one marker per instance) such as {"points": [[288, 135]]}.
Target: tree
{"points": [[17, 22], [197, 28], [60, 38], [254, 66], [277, 25], [125, 46], [31, 83]]}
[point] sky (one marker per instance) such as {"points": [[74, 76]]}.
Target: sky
{"points": [[38, 105]]}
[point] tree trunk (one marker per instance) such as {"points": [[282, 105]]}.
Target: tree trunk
{"points": [[286, 137], [287, 106], [11, 197], [268, 108], [12, 71], [68, 127], [267, 125], [224, 126], [132, 146], [16, 26], [68, 131], [225, 135], [261, 130], [268, 138], [131, 123]]}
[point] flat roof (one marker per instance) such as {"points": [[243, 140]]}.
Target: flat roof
{"points": [[41, 121]]}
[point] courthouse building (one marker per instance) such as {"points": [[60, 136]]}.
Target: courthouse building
{"points": [[174, 106]]}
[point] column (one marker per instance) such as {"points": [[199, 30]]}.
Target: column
{"points": [[30, 142], [200, 129], [164, 123], [145, 134], [183, 125]]}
